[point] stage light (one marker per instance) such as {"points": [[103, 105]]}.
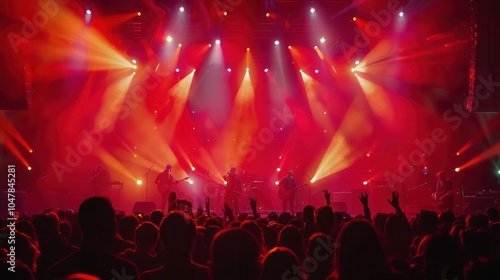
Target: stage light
{"points": [[177, 70], [268, 14], [457, 153], [324, 131], [139, 182], [324, 113], [135, 155], [248, 49], [88, 12], [352, 69], [312, 10], [365, 183], [368, 154], [29, 167], [354, 18], [192, 168], [169, 39], [316, 71], [135, 66], [181, 9], [247, 69], [266, 70], [277, 183], [217, 42], [289, 47], [139, 14], [312, 181], [209, 45], [225, 182], [276, 42], [401, 14], [322, 40], [179, 45], [315, 47], [300, 70], [356, 62], [278, 169], [194, 128], [134, 61], [457, 169], [191, 182], [228, 69], [30, 151], [225, 13], [498, 172]]}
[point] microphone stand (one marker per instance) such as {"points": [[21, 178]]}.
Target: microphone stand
{"points": [[146, 176], [308, 187]]}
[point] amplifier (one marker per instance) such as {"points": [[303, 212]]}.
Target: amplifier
{"points": [[471, 204]]}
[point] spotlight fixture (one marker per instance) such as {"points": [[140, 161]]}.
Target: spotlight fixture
{"points": [[278, 169], [322, 40], [169, 38], [181, 9], [316, 71], [354, 18], [356, 62], [139, 14], [177, 70], [276, 42], [266, 70], [179, 45], [88, 11], [228, 69], [401, 14], [457, 169], [312, 10], [217, 42]]}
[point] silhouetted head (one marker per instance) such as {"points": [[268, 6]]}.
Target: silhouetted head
{"points": [[97, 222], [291, 238], [156, 216], [254, 229], [281, 263], [168, 167], [478, 220], [146, 236], [234, 254], [441, 256], [493, 215], [358, 243], [325, 219], [177, 234], [320, 249], [308, 214], [126, 227]]}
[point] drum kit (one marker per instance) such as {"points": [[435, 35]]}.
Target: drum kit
{"points": [[216, 190]]}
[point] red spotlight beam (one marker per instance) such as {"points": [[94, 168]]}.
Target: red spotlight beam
{"points": [[491, 152], [12, 131]]}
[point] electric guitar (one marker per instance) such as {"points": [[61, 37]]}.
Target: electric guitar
{"points": [[164, 188], [285, 194]]}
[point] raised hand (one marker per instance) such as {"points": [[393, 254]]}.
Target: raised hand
{"points": [[395, 200], [363, 197], [327, 196]]}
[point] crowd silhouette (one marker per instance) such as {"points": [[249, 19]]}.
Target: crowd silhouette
{"points": [[97, 242]]}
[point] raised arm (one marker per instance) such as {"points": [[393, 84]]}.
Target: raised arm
{"points": [[363, 198]]}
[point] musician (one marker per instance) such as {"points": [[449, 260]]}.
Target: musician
{"points": [[288, 190], [444, 192], [233, 190], [101, 181], [164, 182]]}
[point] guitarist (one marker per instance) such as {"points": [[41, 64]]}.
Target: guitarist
{"points": [[164, 182], [288, 190], [444, 192]]}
